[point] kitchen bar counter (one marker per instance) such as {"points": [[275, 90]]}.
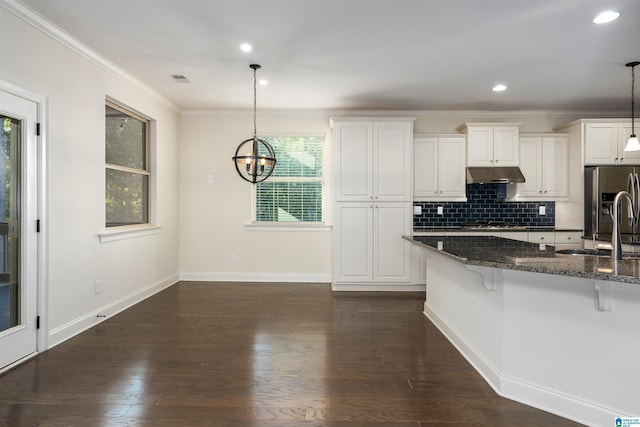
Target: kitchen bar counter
{"points": [[496, 252], [555, 331]]}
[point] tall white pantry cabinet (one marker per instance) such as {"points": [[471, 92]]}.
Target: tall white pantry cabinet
{"points": [[373, 192]]}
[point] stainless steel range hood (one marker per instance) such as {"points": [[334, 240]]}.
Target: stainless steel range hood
{"points": [[494, 175]]}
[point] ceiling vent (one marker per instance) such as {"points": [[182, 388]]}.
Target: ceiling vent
{"points": [[180, 78]]}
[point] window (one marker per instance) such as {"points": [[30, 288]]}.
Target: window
{"points": [[127, 167], [293, 193]]}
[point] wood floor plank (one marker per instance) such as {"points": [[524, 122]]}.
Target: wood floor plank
{"points": [[244, 354]]}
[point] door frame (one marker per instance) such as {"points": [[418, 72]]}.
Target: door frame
{"points": [[42, 273]]}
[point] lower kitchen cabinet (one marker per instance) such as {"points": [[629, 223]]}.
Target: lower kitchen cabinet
{"points": [[568, 240], [368, 245]]}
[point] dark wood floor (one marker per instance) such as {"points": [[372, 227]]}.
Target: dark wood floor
{"points": [[212, 354]]}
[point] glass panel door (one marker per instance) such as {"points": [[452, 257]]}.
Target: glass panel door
{"points": [[10, 138], [18, 234]]}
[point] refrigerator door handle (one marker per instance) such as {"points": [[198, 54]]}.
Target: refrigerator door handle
{"points": [[636, 199], [631, 189]]}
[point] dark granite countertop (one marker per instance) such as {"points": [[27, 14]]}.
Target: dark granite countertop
{"points": [[496, 252]]}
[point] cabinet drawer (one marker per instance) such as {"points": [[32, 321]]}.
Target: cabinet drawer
{"points": [[568, 237], [542, 237]]}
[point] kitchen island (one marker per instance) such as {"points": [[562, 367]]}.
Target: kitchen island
{"points": [[555, 331]]}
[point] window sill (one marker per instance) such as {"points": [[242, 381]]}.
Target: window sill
{"points": [[287, 226], [122, 233]]}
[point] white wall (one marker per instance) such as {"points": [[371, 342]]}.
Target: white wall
{"points": [[202, 223], [75, 88], [213, 215]]}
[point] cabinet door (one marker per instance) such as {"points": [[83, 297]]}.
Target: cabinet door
{"points": [[600, 143], [392, 177], [506, 146], [531, 167], [555, 169], [627, 157], [353, 161], [392, 254], [451, 167], [353, 242], [425, 167], [480, 146]]}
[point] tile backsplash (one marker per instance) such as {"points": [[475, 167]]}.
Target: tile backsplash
{"points": [[485, 202]]}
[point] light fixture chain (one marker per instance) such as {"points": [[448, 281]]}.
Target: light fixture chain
{"points": [[255, 132], [633, 81]]}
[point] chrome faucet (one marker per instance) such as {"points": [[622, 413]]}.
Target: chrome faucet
{"points": [[616, 247]]}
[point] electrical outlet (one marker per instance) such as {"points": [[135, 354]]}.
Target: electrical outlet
{"points": [[98, 287], [542, 210], [232, 257], [417, 210], [440, 210]]}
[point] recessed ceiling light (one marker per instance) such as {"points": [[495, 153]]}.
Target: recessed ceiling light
{"points": [[606, 16], [246, 47], [263, 82], [499, 88]]}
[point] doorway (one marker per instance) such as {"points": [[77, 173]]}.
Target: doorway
{"points": [[18, 228]]}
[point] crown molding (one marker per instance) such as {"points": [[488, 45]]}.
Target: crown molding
{"points": [[406, 113], [43, 25]]}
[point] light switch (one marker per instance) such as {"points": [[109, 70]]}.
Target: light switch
{"points": [[440, 210], [417, 210], [542, 210]]}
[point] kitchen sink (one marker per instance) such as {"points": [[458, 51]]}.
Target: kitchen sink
{"points": [[597, 252]]}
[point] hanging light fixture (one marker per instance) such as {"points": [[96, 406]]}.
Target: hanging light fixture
{"points": [[632, 143], [259, 160]]}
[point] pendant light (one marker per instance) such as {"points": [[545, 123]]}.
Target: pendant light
{"points": [[632, 143], [259, 160]]}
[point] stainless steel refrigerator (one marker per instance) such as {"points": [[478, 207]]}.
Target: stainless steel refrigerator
{"points": [[601, 184]]}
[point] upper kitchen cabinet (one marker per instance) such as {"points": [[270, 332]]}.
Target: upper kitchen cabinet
{"points": [[604, 143], [372, 159], [492, 144], [439, 168], [544, 164]]}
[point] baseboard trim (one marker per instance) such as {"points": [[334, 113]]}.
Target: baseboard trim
{"points": [[489, 372], [546, 400], [70, 329], [377, 287], [560, 404], [254, 277]]}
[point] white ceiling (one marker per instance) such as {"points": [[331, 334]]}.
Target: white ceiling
{"points": [[366, 54]]}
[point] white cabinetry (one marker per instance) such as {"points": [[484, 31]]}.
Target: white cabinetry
{"points": [[373, 206], [439, 167], [369, 247], [372, 160], [604, 143], [492, 144], [544, 164]]}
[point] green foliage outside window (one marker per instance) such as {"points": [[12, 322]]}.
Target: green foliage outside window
{"points": [[293, 193], [127, 173]]}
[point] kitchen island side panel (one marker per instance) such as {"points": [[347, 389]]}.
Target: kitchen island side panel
{"points": [[566, 345], [468, 313], [558, 340]]}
